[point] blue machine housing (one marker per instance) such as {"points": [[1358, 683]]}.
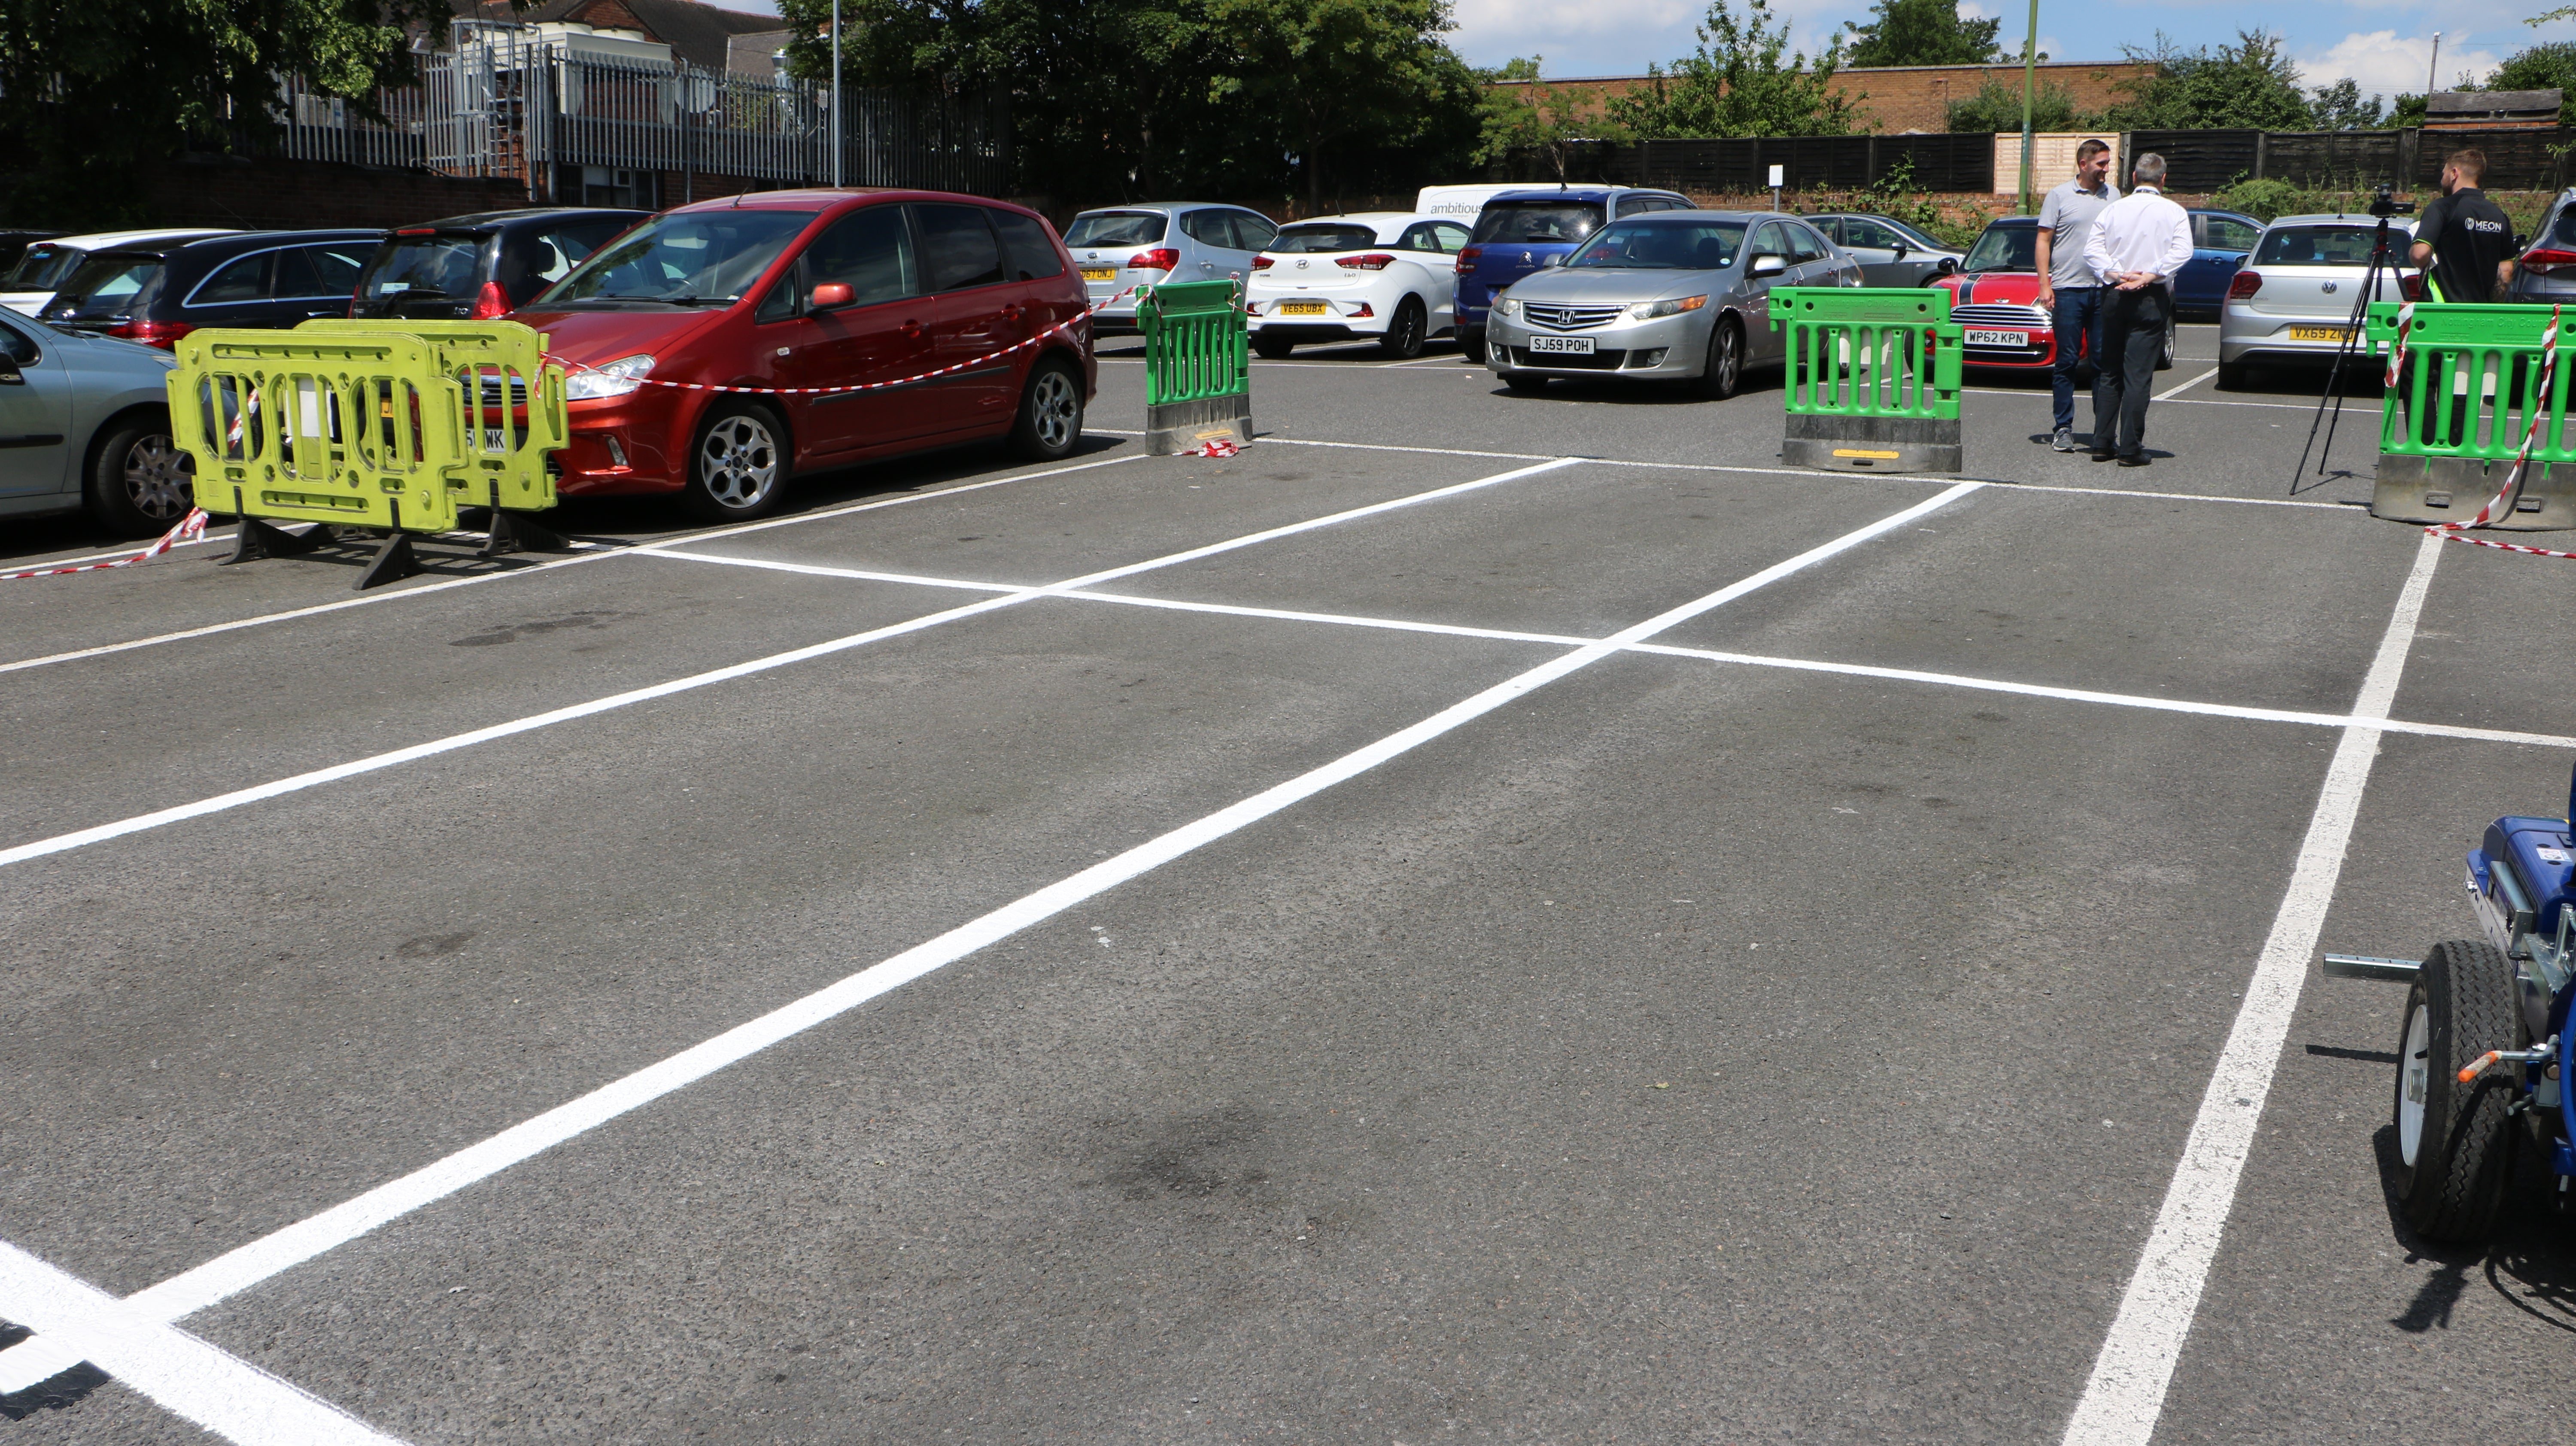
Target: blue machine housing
{"points": [[2522, 884]]}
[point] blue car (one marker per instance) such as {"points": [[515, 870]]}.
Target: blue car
{"points": [[1518, 231], [2220, 242]]}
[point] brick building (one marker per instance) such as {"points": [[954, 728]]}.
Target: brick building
{"points": [[1897, 98]]}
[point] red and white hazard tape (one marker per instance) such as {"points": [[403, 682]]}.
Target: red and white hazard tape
{"points": [[1067, 323], [2397, 353], [1221, 447], [2539, 408], [190, 528]]}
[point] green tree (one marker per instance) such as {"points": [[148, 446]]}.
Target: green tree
{"points": [[2541, 67], [109, 89], [1737, 84], [2406, 110], [1996, 106], [2252, 83], [1922, 32], [2342, 107], [1535, 117], [1344, 75]]}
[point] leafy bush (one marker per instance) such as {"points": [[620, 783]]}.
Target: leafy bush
{"points": [[2264, 200]]}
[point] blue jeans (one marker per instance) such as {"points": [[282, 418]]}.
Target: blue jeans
{"points": [[2079, 313]]}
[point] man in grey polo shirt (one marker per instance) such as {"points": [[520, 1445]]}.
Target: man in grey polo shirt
{"points": [[2068, 290]]}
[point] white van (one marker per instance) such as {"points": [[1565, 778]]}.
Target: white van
{"points": [[1464, 202]]}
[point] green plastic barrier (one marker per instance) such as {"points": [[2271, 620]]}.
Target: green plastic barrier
{"points": [[1873, 378], [512, 405], [1198, 365], [2449, 428], [345, 429]]}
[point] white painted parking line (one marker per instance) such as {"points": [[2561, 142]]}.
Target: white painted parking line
{"points": [[2245, 712], [14, 564], [174, 1370], [2126, 1392], [283, 1250], [2177, 401], [82, 838], [2169, 392], [690, 539]]}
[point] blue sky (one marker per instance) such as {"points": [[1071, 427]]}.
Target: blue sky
{"points": [[2387, 45]]}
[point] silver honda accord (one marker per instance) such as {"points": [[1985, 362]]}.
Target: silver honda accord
{"points": [[1666, 296]]}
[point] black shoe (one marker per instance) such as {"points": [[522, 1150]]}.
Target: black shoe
{"points": [[2102, 456], [2138, 459]]}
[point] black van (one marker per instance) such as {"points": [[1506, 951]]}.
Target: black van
{"points": [[483, 265], [156, 294]]}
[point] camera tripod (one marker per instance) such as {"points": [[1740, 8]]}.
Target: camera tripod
{"points": [[2382, 263]]}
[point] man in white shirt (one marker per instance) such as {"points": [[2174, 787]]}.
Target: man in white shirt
{"points": [[2138, 243]]}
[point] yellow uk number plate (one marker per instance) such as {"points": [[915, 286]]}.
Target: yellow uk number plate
{"points": [[2316, 333], [1100, 273], [1301, 308]]}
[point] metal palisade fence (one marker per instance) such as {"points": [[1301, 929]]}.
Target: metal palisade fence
{"points": [[503, 105]]}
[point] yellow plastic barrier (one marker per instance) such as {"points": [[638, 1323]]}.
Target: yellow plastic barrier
{"points": [[511, 404], [345, 429]]}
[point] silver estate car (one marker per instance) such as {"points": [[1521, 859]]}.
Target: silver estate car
{"points": [[1890, 253], [86, 423], [1667, 296], [2547, 269], [1123, 247], [2291, 302]]}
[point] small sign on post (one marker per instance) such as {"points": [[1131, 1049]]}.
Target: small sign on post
{"points": [[1779, 174]]}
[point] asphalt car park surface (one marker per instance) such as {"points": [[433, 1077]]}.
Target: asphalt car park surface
{"points": [[1482, 917]]}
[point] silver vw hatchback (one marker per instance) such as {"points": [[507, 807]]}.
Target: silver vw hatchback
{"points": [[1121, 248], [2292, 300], [1668, 296]]}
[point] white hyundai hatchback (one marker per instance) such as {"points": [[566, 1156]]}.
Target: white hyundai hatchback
{"points": [[1388, 276]]}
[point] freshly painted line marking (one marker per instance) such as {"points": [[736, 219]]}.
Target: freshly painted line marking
{"points": [[248, 1265], [17, 562], [158, 818], [178, 1372], [426, 589], [2186, 386], [812, 570], [2126, 1392], [1346, 620]]}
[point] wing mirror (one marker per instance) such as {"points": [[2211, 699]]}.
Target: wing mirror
{"points": [[829, 295], [1557, 259], [1767, 266], [1949, 266], [1901, 249]]}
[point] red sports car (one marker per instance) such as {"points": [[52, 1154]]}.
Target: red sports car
{"points": [[1994, 298]]}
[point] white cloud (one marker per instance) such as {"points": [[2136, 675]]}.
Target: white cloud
{"points": [[2386, 64]]}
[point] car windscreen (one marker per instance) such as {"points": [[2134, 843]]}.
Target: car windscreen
{"points": [[2005, 248], [1117, 228], [1656, 244], [1313, 238], [1536, 222], [425, 266], [41, 268], [2321, 246], [684, 258], [110, 285]]}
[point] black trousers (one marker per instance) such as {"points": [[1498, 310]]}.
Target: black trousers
{"points": [[2124, 376]]}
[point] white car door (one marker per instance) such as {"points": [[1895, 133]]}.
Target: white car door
{"points": [[1433, 246], [35, 415]]}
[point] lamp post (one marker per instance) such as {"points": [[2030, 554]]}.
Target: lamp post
{"points": [[2029, 88], [2432, 68], [836, 94]]}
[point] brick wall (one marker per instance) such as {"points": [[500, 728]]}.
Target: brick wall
{"points": [[289, 195], [1896, 98]]}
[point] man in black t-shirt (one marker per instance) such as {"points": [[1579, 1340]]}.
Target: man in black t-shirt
{"points": [[2464, 239]]}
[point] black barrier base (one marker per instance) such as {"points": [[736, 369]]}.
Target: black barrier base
{"points": [[257, 539], [1177, 427], [392, 563], [2452, 489], [511, 532], [1838, 442]]}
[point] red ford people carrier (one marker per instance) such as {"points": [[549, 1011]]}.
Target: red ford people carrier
{"points": [[824, 288]]}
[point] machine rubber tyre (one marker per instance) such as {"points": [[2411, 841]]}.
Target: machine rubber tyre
{"points": [[1404, 335], [1272, 348], [1050, 420], [1526, 383], [1724, 371], [2232, 376], [2165, 358], [2454, 1141], [739, 464], [140, 483], [1471, 345]]}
